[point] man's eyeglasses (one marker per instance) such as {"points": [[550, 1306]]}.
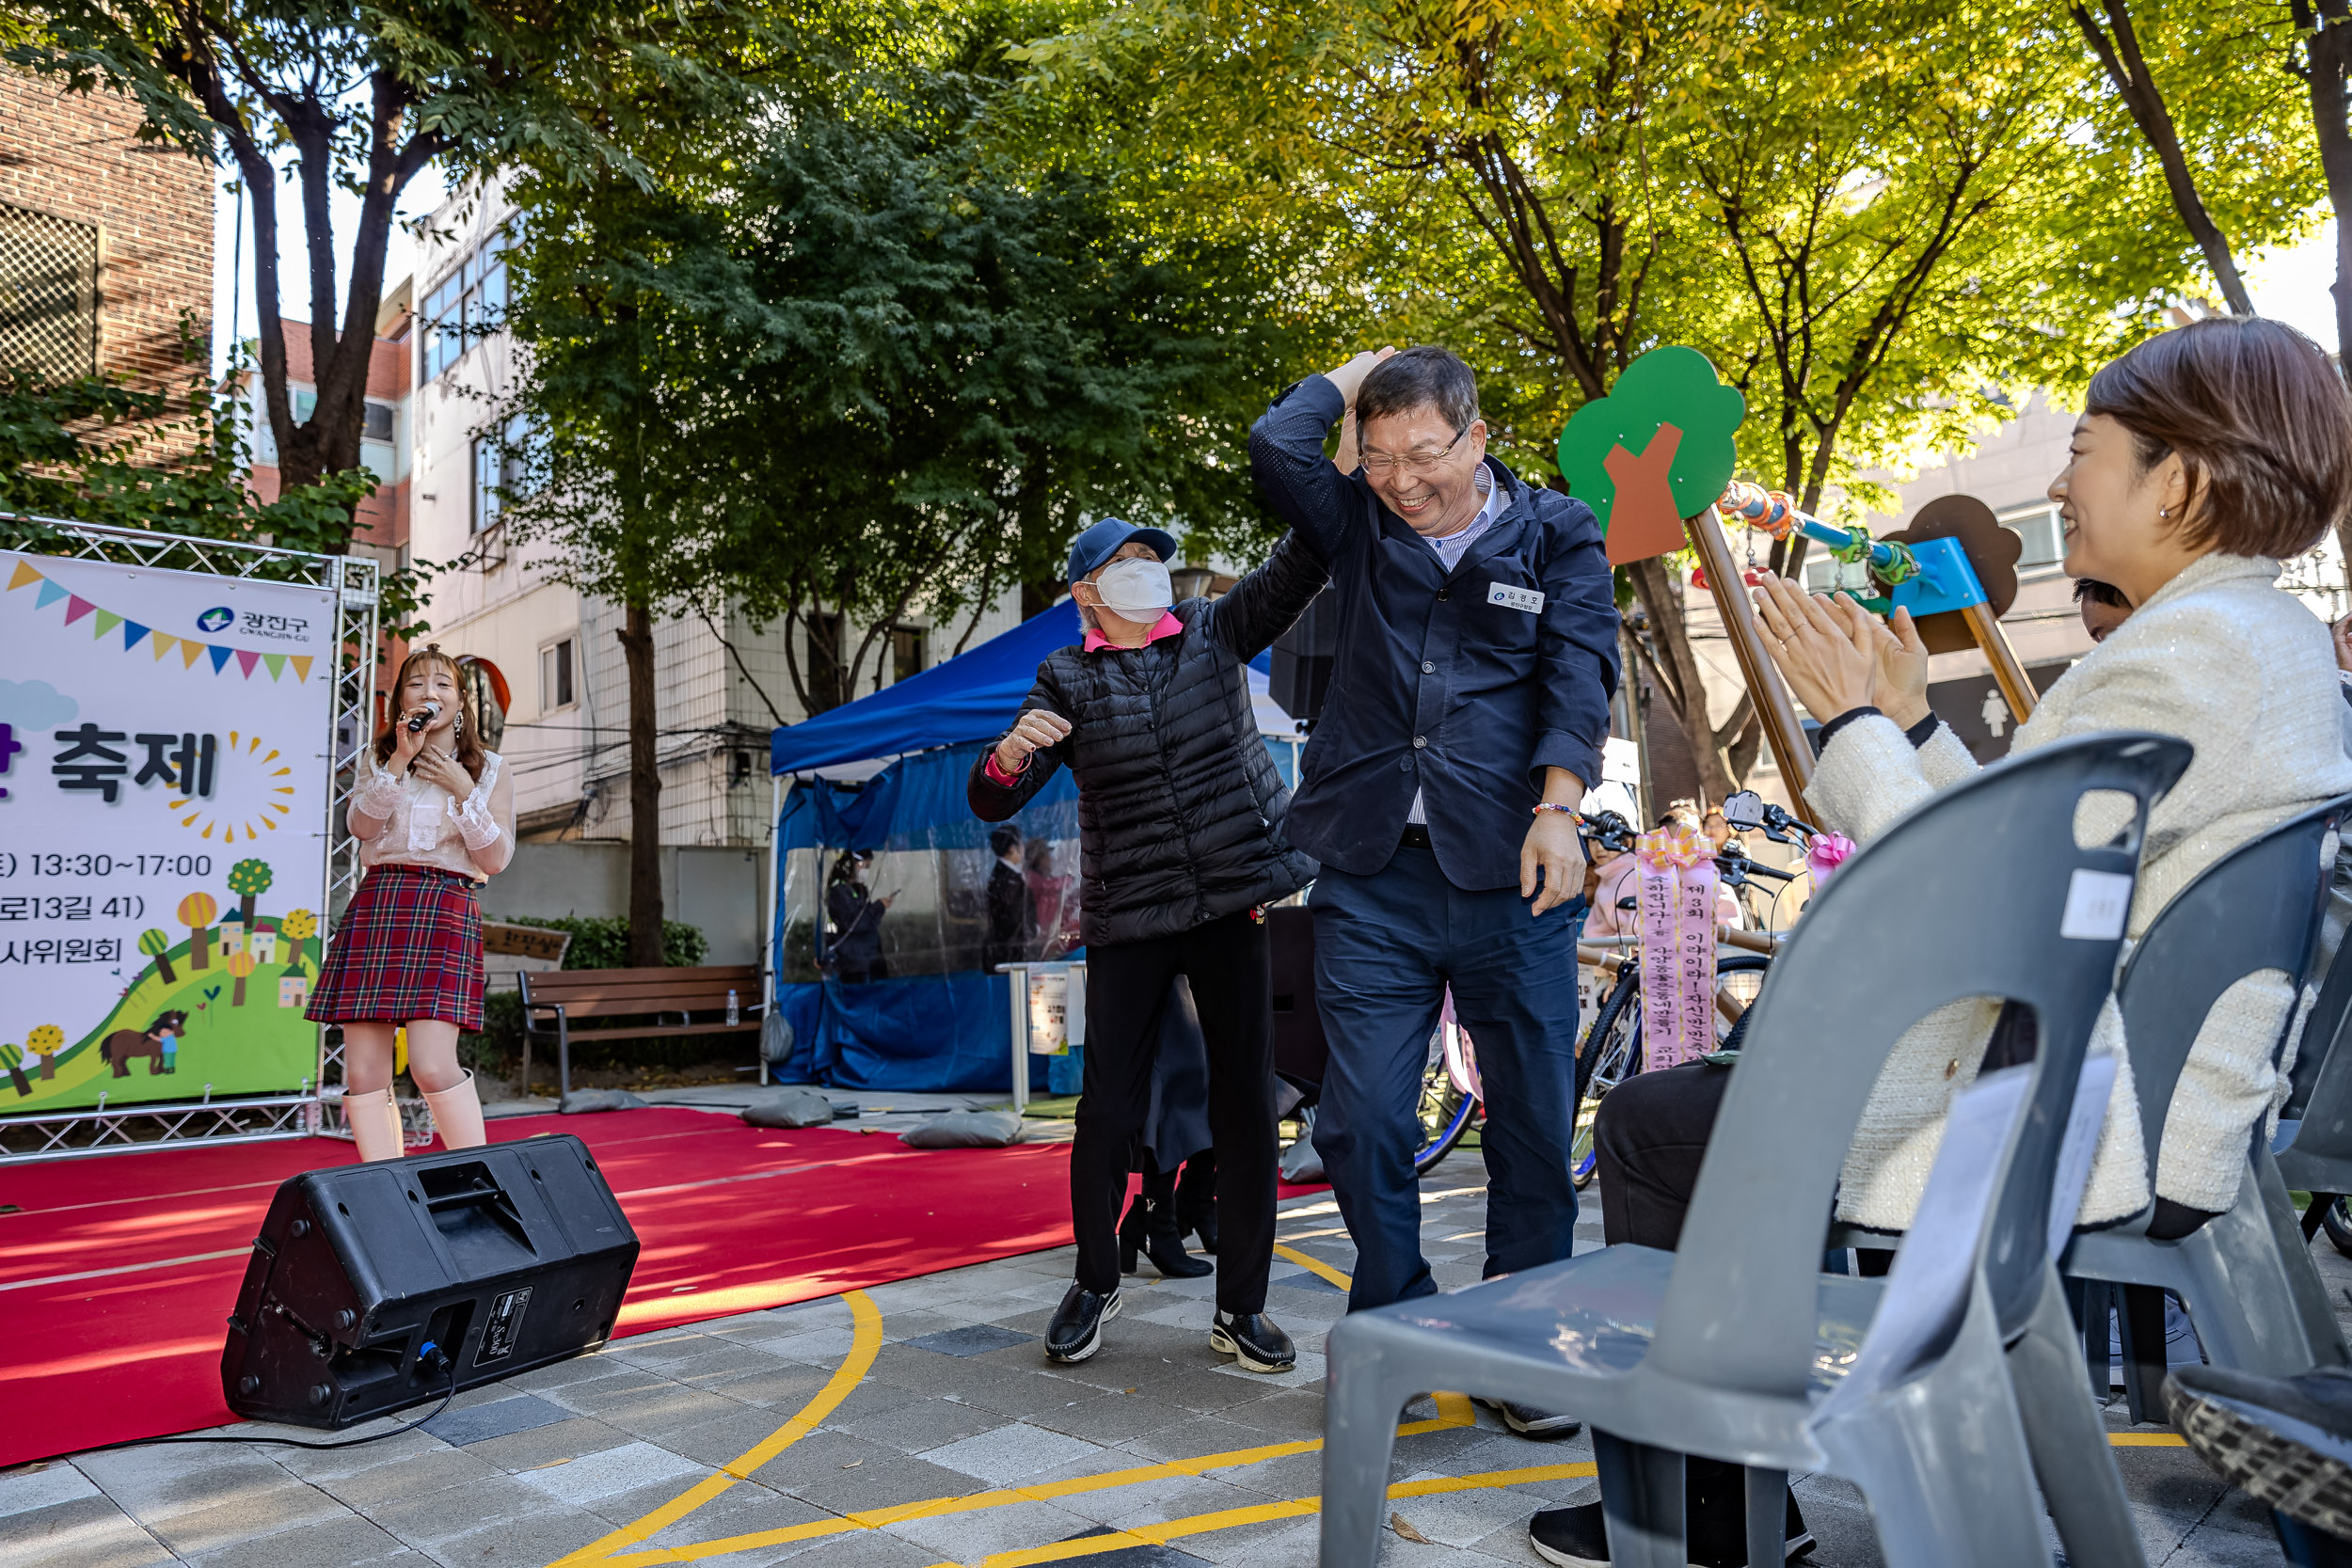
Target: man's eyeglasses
{"points": [[1380, 465]]}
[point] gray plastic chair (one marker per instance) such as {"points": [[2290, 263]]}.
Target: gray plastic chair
{"points": [[2315, 1128], [2246, 1276], [1726, 1347]]}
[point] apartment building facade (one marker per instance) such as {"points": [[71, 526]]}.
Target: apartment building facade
{"points": [[105, 241]]}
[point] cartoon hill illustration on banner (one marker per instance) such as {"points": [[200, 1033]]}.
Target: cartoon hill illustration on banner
{"points": [[1660, 448], [106, 622]]}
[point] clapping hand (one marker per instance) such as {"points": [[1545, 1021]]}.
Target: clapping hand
{"points": [[1038, 727], [1831, 652]]}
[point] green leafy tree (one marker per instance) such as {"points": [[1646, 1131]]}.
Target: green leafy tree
{"points": [[1881, 222], [248, 879], [156, 944], [12, 1057], [834, 364], [321, 96]]}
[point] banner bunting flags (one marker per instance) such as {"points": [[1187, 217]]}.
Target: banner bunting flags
{"points": [[106, 622]]}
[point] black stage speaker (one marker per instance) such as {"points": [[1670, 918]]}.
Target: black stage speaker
{"points": [[1301, 669], [500, 1258], [1300, 1054]]}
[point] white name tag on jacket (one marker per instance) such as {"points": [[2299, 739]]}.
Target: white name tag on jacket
{"points": [[1529, 599]]}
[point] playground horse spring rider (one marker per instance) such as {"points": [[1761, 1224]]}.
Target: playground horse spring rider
{"points": [[124, 1044]]}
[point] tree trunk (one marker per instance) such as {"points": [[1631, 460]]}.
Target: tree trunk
{"points": [[2327, 64], [644, 794], [2127, 72], [1679, 681]]}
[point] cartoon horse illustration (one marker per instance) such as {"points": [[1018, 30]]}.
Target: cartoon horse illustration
{"points": [[124, 1044]]}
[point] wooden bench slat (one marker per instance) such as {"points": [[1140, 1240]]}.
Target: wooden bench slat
{"points": [[591, 994], [748, 1026]]}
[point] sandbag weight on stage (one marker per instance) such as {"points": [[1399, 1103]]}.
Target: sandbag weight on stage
{"points": [[506, 1256]]}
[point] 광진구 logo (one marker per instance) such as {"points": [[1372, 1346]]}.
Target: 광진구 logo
{"points": [[215, 619]]}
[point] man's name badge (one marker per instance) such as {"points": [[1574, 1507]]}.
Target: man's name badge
{"points": [[1529, 599]]}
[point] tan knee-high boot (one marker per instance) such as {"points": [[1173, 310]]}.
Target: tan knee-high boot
{"points": [[374, 1122], [458, 1115]]}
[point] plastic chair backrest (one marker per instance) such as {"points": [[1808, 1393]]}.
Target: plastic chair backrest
{"points": [[1982, 892], [2320, 1100], [2257, 907]]}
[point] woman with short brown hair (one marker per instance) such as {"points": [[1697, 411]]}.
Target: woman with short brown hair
{"points": [[2202, 456]]}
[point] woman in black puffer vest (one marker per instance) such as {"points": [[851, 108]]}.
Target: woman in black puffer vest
{"points": [[1182, 845]]}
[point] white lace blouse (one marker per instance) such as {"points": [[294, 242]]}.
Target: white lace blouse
{"points": [[401, 819]]}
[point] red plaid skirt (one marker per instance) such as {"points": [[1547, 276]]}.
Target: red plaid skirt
{"points": [[408, 947]]}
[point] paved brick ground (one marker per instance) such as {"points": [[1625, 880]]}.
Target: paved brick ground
{"points": [[1155, 1436]]}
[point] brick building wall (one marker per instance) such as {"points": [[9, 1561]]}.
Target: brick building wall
{"points": [[78, 156]]}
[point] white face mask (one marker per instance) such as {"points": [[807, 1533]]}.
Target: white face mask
{"points": [[1135, 590]]}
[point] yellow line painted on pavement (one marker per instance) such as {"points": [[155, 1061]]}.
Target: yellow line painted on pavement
{"points": [[864, 1342], [1200, 1524], [1313, 1265], [1046, 1491], [2146, 1440]]}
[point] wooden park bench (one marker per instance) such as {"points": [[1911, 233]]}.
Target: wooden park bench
{"points": [[555, 1001]]}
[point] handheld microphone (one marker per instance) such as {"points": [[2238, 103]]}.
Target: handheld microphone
{"points": [[417, 720]]}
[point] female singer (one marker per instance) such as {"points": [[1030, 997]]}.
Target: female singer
{"points": [[435, 817]]}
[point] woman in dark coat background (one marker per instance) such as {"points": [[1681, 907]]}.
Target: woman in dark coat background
{"points": [[1182, 845]]}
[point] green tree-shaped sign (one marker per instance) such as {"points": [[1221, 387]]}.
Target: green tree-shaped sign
{"points": [[249, 879], [1660, 448], [156, 944], [12, 1058]]}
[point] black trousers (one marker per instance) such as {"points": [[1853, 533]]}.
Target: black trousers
{"points": [[1230, 971]]}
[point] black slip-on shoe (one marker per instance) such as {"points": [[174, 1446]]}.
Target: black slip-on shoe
{"points": [[1541, 1425], [1254, 1341], [1076, 1331], [2286, 1440], [1576, 1538]]}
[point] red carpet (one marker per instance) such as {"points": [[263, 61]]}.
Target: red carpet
{"points": [[117, 1277]]}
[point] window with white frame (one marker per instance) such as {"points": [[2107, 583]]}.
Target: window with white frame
{"points": [[556, 676], [2037, 528], [501, 466], [466, 305]]}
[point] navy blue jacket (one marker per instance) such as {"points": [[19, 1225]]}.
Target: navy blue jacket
{"points": [[1435, 688]]}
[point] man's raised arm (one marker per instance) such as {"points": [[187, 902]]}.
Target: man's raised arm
{"points": [[1305, 488]]}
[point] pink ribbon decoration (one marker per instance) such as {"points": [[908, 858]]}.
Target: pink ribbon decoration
{"points": [[1824, 855], [1675, 900]]}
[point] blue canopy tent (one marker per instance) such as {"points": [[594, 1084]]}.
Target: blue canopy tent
{"points": [[939, 1022]]}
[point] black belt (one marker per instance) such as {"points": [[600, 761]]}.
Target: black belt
{"points": [[1415, 836]]}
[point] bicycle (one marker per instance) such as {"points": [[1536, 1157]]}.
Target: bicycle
{"points": [[1610, 1051]]}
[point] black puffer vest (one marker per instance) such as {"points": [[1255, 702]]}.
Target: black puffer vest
{"points": [[1179, 807]]}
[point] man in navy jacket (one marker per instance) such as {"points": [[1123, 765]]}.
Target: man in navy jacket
{"points": [[1468, 702]]}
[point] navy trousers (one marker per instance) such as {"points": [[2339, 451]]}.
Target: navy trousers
{"points": [[1387, 946]]}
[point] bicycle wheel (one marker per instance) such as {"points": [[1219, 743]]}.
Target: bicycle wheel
{"points": [[1445, 1109], [1612, 1051], [2338, 1221]]}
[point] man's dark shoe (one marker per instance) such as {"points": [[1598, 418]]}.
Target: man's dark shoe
{"points": [[1576, 1538], [1541, 1425], [1076, 1331], [1254, 1341], [2286, 1440]]}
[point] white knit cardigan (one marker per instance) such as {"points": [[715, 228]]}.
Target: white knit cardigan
{"points": [[2223, 658]]}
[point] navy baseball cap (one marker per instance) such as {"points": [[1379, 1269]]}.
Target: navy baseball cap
{"points": [[1100, 542]]}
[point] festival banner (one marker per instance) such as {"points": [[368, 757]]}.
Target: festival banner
{"points": [[163, 778]]}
